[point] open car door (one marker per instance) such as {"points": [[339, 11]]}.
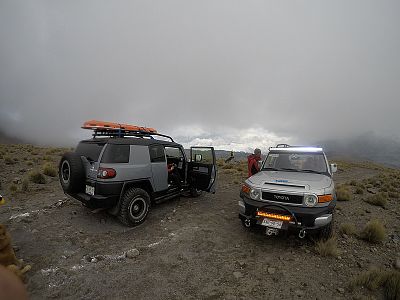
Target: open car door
{"points": [[202, 169]]}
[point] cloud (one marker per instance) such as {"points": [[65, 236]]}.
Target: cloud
{"points": [[223, 72]]}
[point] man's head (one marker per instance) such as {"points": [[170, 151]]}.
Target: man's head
{"points": [[257, 152]]}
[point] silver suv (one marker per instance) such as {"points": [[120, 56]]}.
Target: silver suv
{"points": [[293, 190], [126, 171]]}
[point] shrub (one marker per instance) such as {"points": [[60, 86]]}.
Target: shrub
{"points": [[394, 195], [13, 188], [29, 163], [37, 177], [374, 232], [49, 170], [343, 194], [25, 185], [353, 182], [359, 191], [373, 279], [47, 158], [8, 160], [347, 228], [377, 199], [327, 247]]}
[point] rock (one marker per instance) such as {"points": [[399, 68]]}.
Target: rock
{"points": [[397, 263], [94, 260], [16, 180], [299, 293], [168, 218], [271, 270], [237, 274], [345, 236], [35, 231], [340, 290], [132, 253], [241, 263], [367, 211]]}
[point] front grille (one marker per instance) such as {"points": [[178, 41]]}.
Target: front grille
{"points": [[284, 198]]}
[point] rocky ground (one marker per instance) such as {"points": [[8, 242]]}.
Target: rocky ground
{"points": [[188, 248]]}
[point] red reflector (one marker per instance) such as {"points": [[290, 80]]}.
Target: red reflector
{"points": [[105, 173]]}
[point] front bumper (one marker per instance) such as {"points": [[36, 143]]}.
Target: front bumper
{"points": [[309, 218]]}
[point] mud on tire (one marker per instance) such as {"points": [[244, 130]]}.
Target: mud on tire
{"points": [[134, 207], [71, 173]]}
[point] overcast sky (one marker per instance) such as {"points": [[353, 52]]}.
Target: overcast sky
{"points": [[233, 74]]}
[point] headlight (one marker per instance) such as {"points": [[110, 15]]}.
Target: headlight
{"points": [[310, 200], [254, 194]]}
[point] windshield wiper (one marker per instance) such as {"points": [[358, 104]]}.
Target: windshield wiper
{"points": [[311, 171], [271, 169]]}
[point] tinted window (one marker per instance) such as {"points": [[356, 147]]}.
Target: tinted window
{"points": [[157, 153], [173, 152], [116, 154], [90, 150]]}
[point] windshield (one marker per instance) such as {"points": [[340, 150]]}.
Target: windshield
{"points": [[301, 162]]}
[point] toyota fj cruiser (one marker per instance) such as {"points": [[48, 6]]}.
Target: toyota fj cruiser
{"points": [[126, 168], [293, 190]]}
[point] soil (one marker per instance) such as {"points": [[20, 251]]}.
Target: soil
{"points": [[188, 248]]}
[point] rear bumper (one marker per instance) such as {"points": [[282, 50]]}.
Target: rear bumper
{"points": [[307, 218], [106, 195]]}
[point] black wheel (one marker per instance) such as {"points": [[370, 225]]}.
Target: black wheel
{"points": [[71, 173], [326, 232], [195, 192], [134, 207]]}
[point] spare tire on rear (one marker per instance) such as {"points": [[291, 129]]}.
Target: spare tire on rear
{"points": [[72, 173]]}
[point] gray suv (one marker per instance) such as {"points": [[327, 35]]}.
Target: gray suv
{"points": [[127, 171], [293, 190]]}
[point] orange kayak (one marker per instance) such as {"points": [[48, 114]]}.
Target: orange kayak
{"points": [[99, 125]]}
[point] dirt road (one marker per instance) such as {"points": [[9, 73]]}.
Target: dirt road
{"points": [[187, 249]]}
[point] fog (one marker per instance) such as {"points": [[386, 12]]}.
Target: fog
{"points": [[233, 74]]}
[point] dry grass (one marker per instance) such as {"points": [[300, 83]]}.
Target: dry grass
{"points": [[13, 188], [327, 247], [373, 232], [25, 185], [377, 200], [347, 228], [374, 279], [49, 170], [359, 190], [8, 160], [37, 177], [343, 193]]}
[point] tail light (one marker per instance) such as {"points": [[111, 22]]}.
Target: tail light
{"points": [[105, 173]]}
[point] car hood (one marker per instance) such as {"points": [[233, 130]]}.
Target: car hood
{"points": [[294, 181]]}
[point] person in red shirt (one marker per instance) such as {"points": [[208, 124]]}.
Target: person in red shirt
{"points": [[252, 161]]}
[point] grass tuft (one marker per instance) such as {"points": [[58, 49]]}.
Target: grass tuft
{"points": [[374, 279], [377, 200], [373, 232], [37, 177], [347, 228], [343, 194], [327, 247], [49, 170]]}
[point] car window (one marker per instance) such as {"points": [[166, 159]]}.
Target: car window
{"points": [[89, 150], [116, 154], [173, 152], [157, 153], [297, 161]]}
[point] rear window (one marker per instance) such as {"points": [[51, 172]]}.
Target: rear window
{"points": [[90, 150], [116, 154]]}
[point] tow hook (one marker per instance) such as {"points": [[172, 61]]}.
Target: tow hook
{"points": [[302, 233], [247, 223]]}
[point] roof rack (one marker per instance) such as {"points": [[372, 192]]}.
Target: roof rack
{"points": [[110, 129], [286, 146]]}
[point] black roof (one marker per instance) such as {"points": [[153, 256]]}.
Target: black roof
{"points": [[131, 141]]}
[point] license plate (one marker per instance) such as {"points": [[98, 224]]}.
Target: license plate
{"points": [[272, 223], [89, 190]]}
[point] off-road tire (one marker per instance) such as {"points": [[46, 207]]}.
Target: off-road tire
{"points": [[71, 173], [129, 214], [326, 232]]}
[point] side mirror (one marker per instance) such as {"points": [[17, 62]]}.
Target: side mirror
{"points": [[198, 157], [333, 168]]}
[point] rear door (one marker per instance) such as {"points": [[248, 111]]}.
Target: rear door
{"points": [[202, 168]]}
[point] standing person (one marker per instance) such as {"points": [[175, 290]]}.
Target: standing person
{"points": [[252, 161]]}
